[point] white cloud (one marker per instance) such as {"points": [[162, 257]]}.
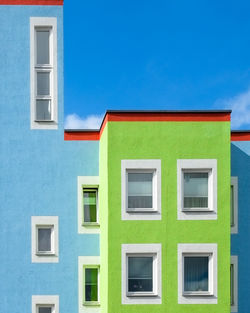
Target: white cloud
{"points": [[240, 105], [73, 121]]}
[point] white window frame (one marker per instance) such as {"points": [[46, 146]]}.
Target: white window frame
{"points": [[141, 250], [45, 23], [87, 262], [201, 166], [46, 256], [141, 166], [205, 249], [45, 300], [234, 262], [234, 183], [87, 182]]}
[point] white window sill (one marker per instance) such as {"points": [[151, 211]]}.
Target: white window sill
{"points": [[142, 294], [45, 253], [91, 303], [91, 224], [197, 294], [190, 210]]}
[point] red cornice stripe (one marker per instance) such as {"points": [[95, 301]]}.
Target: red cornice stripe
{"points": [[84, 135], [31, 2], [169, 117], [147, 117], [240, 136]]}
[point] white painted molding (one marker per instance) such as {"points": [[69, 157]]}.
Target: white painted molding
{"points": [[43, 22], [154, 165], [88, 182], [82, 261], [234, 183], [151, 249], [44, 221], [198, 248], [43, 300], [197, 164]]}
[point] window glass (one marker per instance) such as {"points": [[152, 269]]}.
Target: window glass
{"points": [[196, 274], [232, 205], [90, 205], [140, 190], [45, 309], [43, 110], [195, 190], [140, 274], [91, 284], [232, 284], [43, 83], [44, 239], [43, 55]]}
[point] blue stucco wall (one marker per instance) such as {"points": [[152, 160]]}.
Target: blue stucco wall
{"points": [[38, 176], [240, 243]]}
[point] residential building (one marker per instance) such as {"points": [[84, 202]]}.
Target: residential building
{"points": [[134, 217]]}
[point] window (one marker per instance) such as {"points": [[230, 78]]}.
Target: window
{"points": [[197, 273], [234, 283], [141, 273], [45, 304], [43, 73], [197, 189], [89, 283], [88, 215], [234, 205], [45, 239], [44, 231], [90, 205], [141, 189]]}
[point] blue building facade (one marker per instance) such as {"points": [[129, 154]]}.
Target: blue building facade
{"points": [[40, 173]]}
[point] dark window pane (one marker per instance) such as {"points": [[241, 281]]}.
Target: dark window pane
{"points": [[140, 274], [140, 186], [43, 110], [232, 206], [43, 83], [44, 239], [42, 45], [91, 284], [232, 284], [196, 273], [195, 190], [89, 200], [45, 309]]}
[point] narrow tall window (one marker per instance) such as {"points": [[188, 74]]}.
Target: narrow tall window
{"points": [[232, 205], [90, 205], [45, 240], [44, 72], [91, 285], [43, 77], [232, 283]]}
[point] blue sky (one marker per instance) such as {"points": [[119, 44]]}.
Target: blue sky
{"points": [[144, 54]]}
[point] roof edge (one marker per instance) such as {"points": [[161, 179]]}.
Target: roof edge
{"points": [[32, 2]]}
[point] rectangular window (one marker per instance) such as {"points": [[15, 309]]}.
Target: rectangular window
{"points": [[91, 284], [45, 309], [197, 273], [234, 283], [90, 203], [197, 189], [45, 304], [141, 273], [141, 189], [43, 78], [45, 240], [234, 204]]}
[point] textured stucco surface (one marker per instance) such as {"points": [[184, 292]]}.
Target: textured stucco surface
{"points": [[38, 176], [167, 141], [240, 243]]}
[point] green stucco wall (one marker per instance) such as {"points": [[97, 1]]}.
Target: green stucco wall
{"points": [[167, 141]]}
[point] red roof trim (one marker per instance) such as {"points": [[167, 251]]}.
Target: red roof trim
{"points": [[148, 117], [31, 2], [240, 136]]}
